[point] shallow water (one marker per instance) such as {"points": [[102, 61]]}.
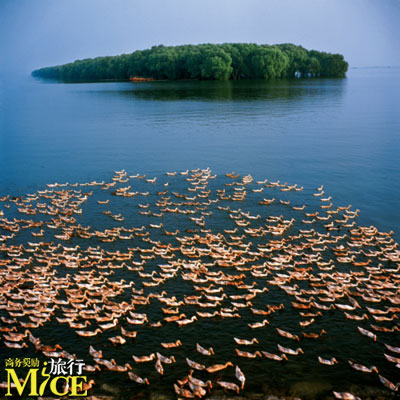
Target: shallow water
{"points": [[342, 133]]}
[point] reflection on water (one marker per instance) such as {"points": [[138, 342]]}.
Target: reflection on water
{"points": [[235, 90]]}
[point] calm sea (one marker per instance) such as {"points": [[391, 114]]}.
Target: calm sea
{"points": [[340, 133]]}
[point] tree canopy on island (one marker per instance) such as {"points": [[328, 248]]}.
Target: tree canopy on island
{"points": [[204, 61]]}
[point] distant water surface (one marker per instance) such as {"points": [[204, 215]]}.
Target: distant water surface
{"points": [[343, 133]]}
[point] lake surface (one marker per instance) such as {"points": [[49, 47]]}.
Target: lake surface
{"points": [[340, 133], [343, 133]]}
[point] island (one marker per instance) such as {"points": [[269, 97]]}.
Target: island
{"points": [[225, 61]]}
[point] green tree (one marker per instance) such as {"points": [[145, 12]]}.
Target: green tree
{"points": [[216, 64], [268, 63]]}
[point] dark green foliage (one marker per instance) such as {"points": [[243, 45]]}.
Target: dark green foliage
{"points": [[268, 63], [204, 61]]}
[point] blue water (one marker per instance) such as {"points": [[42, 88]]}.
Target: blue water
{"points": [[342, 133]]}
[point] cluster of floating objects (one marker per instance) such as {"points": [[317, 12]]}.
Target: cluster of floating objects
{"points": [[318, 259]]}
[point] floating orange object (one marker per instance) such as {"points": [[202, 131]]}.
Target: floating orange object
{"points": [[140, 79]]}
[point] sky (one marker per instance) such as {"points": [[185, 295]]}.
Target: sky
{"points": [[38, 33]]}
